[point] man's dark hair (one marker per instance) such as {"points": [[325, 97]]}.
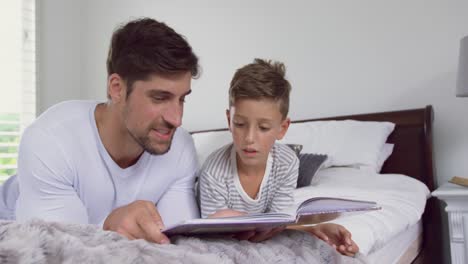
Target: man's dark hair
{"points": [[144, 47]]}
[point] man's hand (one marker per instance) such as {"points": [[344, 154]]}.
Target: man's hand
{"points": [[336, 236], [136, 220]]}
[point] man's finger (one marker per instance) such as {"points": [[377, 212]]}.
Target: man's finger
{"points": [[155, 215], [151, 230], [126, 234], [130, 229]]}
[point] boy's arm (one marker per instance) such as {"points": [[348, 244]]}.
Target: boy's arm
{"points": [[335, 235], [284, 197], [213, 195]]}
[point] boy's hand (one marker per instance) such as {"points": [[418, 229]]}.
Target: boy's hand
{"points": [[336, 236], [226, 213], [258, 236], [136, 220], [252, 236]]}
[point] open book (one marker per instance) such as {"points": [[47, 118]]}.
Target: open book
{"points": [[311, 211]]}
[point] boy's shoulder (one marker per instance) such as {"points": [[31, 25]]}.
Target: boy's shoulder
{"points": [[284, 153], [218, 158]]}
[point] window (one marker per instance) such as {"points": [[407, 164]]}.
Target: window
{"points": [[18, 84]]}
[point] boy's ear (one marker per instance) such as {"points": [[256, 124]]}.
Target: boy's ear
{"points": [[283, 128], [116, 88], [228, 117]]}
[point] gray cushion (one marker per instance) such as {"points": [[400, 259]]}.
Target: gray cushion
{"points": [[309, 164]]}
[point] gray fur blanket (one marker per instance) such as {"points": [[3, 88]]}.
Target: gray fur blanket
{"points": [[44, 242]]}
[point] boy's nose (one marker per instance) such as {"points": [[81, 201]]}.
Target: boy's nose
{"points": [[249, 137]]}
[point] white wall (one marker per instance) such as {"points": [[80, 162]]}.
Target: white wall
{"points": [[343, 57], [59, 52]]}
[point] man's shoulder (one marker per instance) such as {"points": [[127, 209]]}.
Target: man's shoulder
{"points": [[66, 111], [183, 135], [65, 121]]}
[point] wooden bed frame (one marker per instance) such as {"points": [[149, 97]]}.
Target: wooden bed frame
{"points": [[412, 156]]}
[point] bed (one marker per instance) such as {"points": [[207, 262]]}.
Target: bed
{"points": [[413, 156], [416, 241]]}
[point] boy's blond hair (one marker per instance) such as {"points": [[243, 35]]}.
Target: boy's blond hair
{"points": [[262, 79]]}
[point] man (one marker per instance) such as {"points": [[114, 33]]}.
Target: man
{"points": [[123, 164]]}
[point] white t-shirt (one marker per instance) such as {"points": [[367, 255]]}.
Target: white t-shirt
{"points": [[66, 174]]}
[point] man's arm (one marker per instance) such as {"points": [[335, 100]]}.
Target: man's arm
{"points": [[178, 203], [45, 177], [181, 194], [142, 219]]}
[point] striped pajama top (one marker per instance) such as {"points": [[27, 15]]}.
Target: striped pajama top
{"points": [[220, 187]]}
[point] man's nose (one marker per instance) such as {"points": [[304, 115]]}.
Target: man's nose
{"points": [[173, 114]]}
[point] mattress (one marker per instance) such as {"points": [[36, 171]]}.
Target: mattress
{"points": [[401, 249], [402, 199]]}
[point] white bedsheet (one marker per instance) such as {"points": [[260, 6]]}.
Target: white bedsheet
{"points": [[402, 199]]}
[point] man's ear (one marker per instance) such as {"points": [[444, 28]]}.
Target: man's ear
{"points": [[116, 88], [283, 128], [228, 117]]}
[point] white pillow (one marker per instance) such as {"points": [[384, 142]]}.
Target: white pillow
{"points": [[386, 151], [347, 142], [207, 142]]}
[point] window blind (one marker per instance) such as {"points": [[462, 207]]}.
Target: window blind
{"points": [[21, 111]]}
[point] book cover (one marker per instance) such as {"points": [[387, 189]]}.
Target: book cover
{"points": [[311, 211]]}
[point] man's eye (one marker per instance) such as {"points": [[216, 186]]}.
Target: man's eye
{"points": [[236, 124], [158, 99], [264, 128]]}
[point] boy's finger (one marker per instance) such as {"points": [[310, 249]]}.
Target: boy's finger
{"points": [[321, 235], [260, 236], [348, 241], [342, 249], [245, 235]]}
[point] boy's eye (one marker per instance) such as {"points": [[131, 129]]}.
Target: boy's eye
{"points": [[237, 124], [264, 128]]}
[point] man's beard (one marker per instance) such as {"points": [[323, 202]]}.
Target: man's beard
{"points": [[145, 143]]}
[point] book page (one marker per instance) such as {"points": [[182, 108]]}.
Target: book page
{"points": [[322, 209]]}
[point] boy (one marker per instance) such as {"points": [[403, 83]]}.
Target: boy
{"points": [[254, 174]]}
